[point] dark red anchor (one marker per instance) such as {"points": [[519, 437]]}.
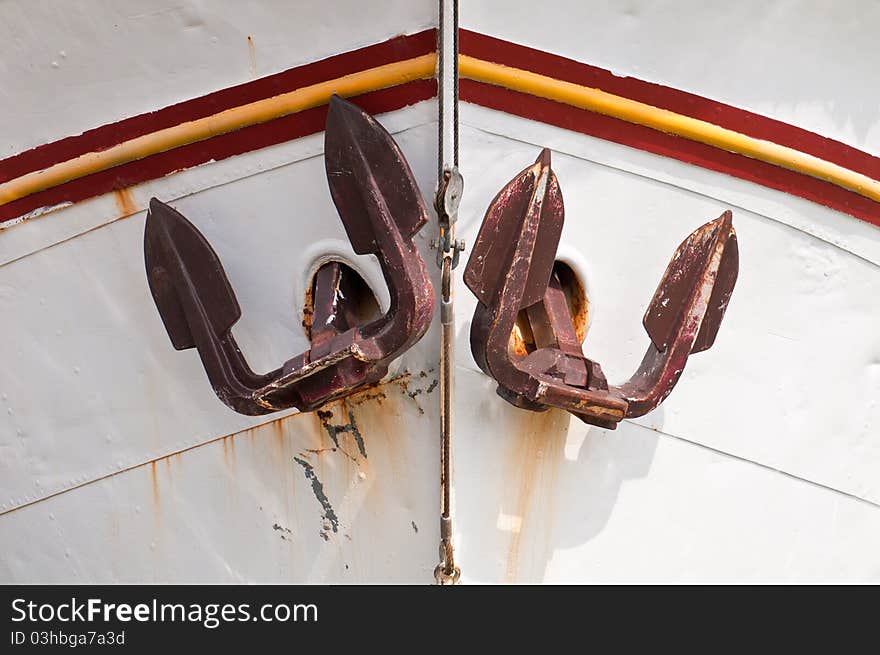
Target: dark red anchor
{"points": [[381, 209], [510, 270]]}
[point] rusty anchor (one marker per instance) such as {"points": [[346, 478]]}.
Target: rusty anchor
{"points": [[381, 209], [510, 271]]}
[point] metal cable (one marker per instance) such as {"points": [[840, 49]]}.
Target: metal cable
{"points": [[441, 88], [447, 557], [455, 83], [446, 202], [441, 95]]}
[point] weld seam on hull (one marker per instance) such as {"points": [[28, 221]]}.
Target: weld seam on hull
{"points": [[132, 467]]}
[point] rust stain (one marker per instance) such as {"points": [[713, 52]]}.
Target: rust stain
{"points": [[407, 384], [125, 202], [522, 342], [229, 448], [278, 435], [384, 424], [376, 411], [252, 55], [318, 451], [539, 448], [380, 411], [308, 310], [343, 427], [340, 427], [377, 391], [155, 481], [365, 396], [576, 296], [278, 458]]}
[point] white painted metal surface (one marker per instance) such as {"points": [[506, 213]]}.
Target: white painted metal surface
{"points": [[701, 488], [68, 67], [806, 62], [115, 464]]}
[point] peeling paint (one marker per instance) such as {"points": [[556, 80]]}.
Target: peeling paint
{"points": [[330, 520], [405, 381], [280, 528], [365, 396], [334, 430]]}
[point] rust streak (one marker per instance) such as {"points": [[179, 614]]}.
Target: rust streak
{"points": [[155, 481], [278, 434], [318, 451], [538, 451], [252, 55], [365, 396], [125, 202]]}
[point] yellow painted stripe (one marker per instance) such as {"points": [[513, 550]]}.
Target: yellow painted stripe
{"points": [[253, 113], [423, 67], [632, 111]]}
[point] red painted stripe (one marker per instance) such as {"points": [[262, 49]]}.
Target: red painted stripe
{"points": [[220, 147], [477, 45], [644, 138], [688, 104]]}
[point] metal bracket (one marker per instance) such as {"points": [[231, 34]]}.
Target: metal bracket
{"points": [[446, 204], [511, 269], [381, 209]]}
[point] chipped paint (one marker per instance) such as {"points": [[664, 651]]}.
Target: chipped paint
{"points": [[280, 528], [335, 429], [408, 384], [670, 522], [328, 514]]}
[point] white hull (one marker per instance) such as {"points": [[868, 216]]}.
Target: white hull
{"points": [[119, 464]]}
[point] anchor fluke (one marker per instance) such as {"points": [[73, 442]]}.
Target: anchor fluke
{"points": [[180, 261]]}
